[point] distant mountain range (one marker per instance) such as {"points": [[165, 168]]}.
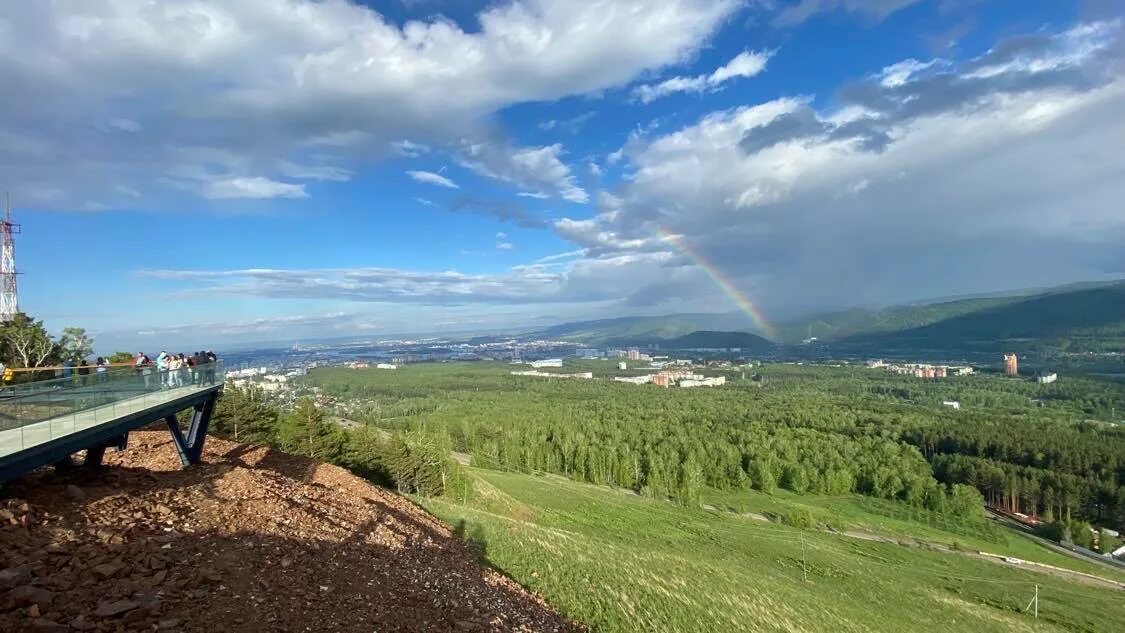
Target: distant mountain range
{"points": [[1076, 317], [720, 340], [642, 330], [1084, 320]]}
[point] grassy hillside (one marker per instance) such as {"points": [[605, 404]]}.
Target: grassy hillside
{"points": [[618, 562], [1077, 321]]}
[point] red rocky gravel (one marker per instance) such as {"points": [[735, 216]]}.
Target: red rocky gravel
{"points": [[250, 540]]}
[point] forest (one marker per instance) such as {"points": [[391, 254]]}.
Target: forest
{"points": [[1047, 450]]}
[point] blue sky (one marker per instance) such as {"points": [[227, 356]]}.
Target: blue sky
{"points": [[214, 174]]}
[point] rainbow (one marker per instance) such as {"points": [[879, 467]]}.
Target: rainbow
{"points": [[740, 299]]}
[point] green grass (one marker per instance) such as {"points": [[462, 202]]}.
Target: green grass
{"points": [[618, 562], [904, 523]]}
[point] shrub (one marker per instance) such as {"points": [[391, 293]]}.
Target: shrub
{"points": [[798, 518]]}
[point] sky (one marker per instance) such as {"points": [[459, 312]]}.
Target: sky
{"points": [[208, 173]]}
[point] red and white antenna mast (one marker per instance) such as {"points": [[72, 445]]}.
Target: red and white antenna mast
{"points": [[9, 300]]}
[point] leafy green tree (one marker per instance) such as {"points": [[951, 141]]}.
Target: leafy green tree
{"points": [[120, 357], [1080, 534], [799, 518], [24, 342], [1106, 542], [75, 344], [306, 432], [1054, 531], [419, 463], [690, 483], [965, 501]]}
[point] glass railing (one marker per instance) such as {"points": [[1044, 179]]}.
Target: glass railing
{"points": [[35, 413], [54, 384]]}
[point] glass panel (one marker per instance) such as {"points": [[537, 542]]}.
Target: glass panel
{"points": [[34, 413]]}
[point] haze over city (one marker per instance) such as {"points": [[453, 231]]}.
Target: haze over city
{"points": [[269, 171]]}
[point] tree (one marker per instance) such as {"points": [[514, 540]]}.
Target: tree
{"points": [[244, 415], [120, 357], [26, 343], [75, 344], [1107, 542], [305, 432], [419, 463]]}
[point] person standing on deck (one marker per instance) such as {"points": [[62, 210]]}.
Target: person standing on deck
{"points": [[83, 372], [142, 364], [103, 369], [212, 360], [162, 368]]}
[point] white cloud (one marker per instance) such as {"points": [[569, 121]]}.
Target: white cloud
{"points": [[581, 280], [538, 168], [314, 172], [410, 149], [570, 125], [925, 184], [746, 64], [898, 74], [125, 125], [538, 195], [261, 81], [504, 246], [501, 235], [257, 187], [431, 178]]}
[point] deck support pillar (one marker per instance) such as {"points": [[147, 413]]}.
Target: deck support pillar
{"points": [[94, 454], [190, 448]]}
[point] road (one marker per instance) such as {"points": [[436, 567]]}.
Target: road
{"points": [[1024, 531]]}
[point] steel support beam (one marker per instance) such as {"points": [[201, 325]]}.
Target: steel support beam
{"points": [[190, 448], [94, 454]]}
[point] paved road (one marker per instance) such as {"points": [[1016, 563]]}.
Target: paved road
{"points": [[1023, 530]]}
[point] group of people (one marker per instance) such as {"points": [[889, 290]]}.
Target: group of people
{"points": [[176, 370], [83, 369]]}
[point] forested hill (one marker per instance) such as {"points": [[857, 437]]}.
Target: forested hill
{"points": [[719, 340], [845, 323], [643, 329], [1091, 319]]}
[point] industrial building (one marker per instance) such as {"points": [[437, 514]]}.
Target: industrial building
{"points": [[585, 375], [1011, 365]]}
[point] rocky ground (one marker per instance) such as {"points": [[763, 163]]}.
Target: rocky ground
{"points": [[251, 540]]}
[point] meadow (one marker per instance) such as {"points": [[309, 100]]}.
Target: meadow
{"points": [[620, 562], [796, 498]]}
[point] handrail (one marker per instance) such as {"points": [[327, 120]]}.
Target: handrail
{"points": [[74, 367], [53, 384], [51, 399]]}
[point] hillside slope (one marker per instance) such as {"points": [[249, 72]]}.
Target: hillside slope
{"points": [[624, 563], [251, 540], [642, 329], [719, 340], [1082, 320], [844, 323]]}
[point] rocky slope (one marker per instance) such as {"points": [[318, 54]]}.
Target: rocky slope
{"points": [[251, 540]]}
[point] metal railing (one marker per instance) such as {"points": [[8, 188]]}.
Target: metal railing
{"points": [[34, 413]]}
